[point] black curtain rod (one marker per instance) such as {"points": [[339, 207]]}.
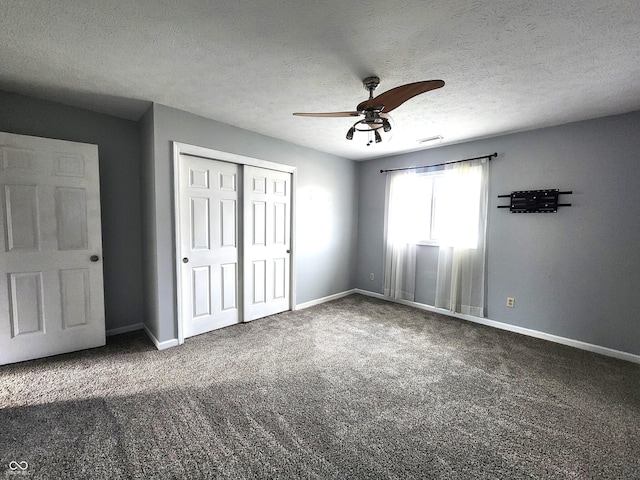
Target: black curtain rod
{"points": [[489, 157]]}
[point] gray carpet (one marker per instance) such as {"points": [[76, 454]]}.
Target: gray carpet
{"points": [[355, 388]]}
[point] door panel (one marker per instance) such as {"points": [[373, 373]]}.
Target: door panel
{"points": [[76, 297], [200, 227], [228, 214], [259, 224], [208, 197], [71, 217], [199, 178], [279, 223], [259, 282], [69, 165], [51, 293], [229, 294], [279, 274], [201, 291], [267, 233], [22, 217], [26, 303]]}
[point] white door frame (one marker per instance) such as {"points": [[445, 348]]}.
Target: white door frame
{"points": [[208, 153]]}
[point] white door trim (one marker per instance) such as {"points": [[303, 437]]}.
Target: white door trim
{"points": [[208, 153]]}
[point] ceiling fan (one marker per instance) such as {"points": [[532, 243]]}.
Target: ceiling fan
{"points": [[376, 110]]}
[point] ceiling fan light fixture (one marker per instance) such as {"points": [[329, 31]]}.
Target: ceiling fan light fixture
{"points": [[350, 133], [386, 126], [377, 136]]}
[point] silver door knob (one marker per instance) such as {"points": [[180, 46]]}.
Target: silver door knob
{"points": [[94, 258], [185, 260]]}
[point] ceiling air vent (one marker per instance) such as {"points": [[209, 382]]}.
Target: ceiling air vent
{"points": [[432, 140]]}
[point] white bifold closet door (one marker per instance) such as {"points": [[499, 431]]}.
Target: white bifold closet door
{"points": [[227, 277], [51, 283]]}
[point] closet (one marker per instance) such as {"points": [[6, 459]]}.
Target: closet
{"points": [[233, 239]]}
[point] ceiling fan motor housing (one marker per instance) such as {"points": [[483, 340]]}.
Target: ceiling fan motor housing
{"points": [[371, 83]]}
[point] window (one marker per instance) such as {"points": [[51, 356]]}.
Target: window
{"points": [[439, 208], [445, 208], [428, 189]]}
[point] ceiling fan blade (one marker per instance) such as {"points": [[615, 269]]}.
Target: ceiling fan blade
{"points": [[330, 114], [397, 96]]}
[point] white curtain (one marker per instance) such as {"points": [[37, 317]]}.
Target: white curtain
{"points": [[462, 209], [401, 233]]}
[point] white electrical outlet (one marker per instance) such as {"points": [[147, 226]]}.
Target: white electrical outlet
{"points": [[371, 276], [511, 302]]}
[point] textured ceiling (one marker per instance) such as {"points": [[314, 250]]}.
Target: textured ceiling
{"points": [[508, 65]]}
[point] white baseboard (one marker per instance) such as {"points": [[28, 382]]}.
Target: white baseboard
{"points": [[160, 345], [609, 352], [318, 301], [125, 329]]}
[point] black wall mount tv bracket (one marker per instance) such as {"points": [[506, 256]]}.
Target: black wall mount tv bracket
{"points": [[534, 201]]}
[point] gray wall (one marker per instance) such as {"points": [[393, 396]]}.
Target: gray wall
{"points": [[118, 143], [575, 273], [326, 209]]}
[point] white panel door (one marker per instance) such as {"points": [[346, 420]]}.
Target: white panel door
{"points": [[208, 216], [267, 242], [51, 284]]}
